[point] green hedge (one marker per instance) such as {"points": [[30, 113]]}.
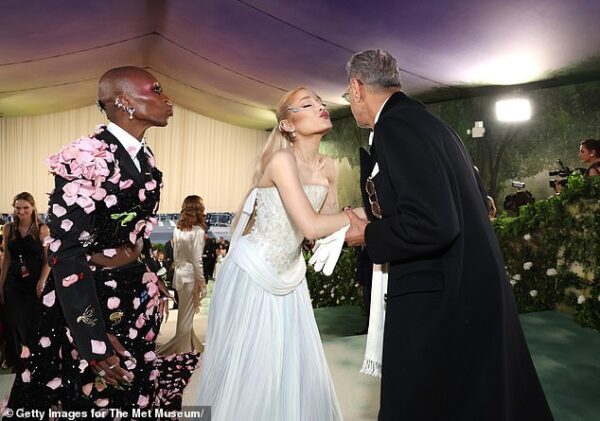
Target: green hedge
{"points": [[339, 288], [551, 250]]}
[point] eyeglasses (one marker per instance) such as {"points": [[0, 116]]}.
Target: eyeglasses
{"points": [[373, 200], [306, 104], [346, 96]]}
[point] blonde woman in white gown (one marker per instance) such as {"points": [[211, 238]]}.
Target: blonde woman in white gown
{"points": [[264, 360], [188, 278]]}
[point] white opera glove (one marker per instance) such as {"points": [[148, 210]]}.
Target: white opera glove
{"points": [[326, 251]]}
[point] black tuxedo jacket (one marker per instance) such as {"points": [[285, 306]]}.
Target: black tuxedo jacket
{"points": [[79, 233], [453, 344]]}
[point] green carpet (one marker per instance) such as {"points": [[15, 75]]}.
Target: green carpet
{"points": [[565, 354]]}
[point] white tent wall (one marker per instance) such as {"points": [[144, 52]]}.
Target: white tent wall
{"points": [[198, 155]]}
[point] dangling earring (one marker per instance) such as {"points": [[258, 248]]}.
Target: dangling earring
{"points": [[293, 134], [130, 110]]}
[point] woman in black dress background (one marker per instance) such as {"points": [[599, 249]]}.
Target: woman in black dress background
{"points": [[24, 273]]}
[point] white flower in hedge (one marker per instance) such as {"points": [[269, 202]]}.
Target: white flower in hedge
{"points": [[598, 297], [321, 292], [533, 293], [551, 272], [527, 237], [580, 299], [517, 277], [527, 265], [513, 282]]}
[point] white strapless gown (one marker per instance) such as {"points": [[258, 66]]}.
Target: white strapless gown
{"points": [[263, 359]]}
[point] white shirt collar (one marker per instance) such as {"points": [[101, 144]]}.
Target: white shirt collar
{"points": [[371, 135], [130, 143]]}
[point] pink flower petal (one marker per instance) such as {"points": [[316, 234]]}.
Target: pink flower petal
{"points": [[69, 200], [110, 200], [109, 252], [25, 353], [82, 365], [139, 323], [98, 347], [150, 185], [99, 193], [125, 184], [49, 299], [26, 376], [55, 383], [111, 284], [132, 333], [70, 280], [45, 341], [87, 203], [113, 302], [136, 303], [58, 210], [142, 401], [129, 364], [87, 389], [101, 403], [84, 236], [66, 225], [149, 336], [142, 195], [74, 354], [154, 374], [149, 356], [55, 245], [68, 333]]}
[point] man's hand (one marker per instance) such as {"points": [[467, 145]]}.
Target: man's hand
{"points": [[356, 234], [109, 368]]}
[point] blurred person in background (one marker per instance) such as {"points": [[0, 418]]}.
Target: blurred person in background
{"points": [[188, 278]]}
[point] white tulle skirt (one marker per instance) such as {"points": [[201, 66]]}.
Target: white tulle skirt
{"points": [[263, 359]]}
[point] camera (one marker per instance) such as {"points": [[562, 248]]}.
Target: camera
{"points": [[562, 171]]}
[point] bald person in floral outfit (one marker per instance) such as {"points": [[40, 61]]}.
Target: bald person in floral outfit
{"points": [[103, 310]]}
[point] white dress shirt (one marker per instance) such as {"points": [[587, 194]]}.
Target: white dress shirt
{"points": [[130, 143]]}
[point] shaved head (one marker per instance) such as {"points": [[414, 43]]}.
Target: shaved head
{"points": [[119, 81]]}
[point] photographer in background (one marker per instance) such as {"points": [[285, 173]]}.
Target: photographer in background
{"points": [[589, 154]]}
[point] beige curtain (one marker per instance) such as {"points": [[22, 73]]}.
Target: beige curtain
{"points": [[197, 155]]}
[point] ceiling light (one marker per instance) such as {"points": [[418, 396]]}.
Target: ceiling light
{"points": [[516, 109]]}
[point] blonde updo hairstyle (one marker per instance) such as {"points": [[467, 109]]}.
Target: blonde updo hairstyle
{"points": [[279, 139]]}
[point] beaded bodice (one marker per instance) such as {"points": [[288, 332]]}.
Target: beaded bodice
{"points": [[274, 233]]}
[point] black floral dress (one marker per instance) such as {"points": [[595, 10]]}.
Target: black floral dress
{"points": [[100, 202]]}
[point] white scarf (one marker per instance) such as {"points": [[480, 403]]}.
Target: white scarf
{"points": [[374, 349]]}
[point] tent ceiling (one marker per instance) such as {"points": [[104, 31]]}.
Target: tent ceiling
{"points": [[233, 59]]}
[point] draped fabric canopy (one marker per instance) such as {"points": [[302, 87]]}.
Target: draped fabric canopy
{"points": [[232, 59], [198, 155]]}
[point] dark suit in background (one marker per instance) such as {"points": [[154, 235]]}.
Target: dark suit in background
{"points": [[453, 344]]}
